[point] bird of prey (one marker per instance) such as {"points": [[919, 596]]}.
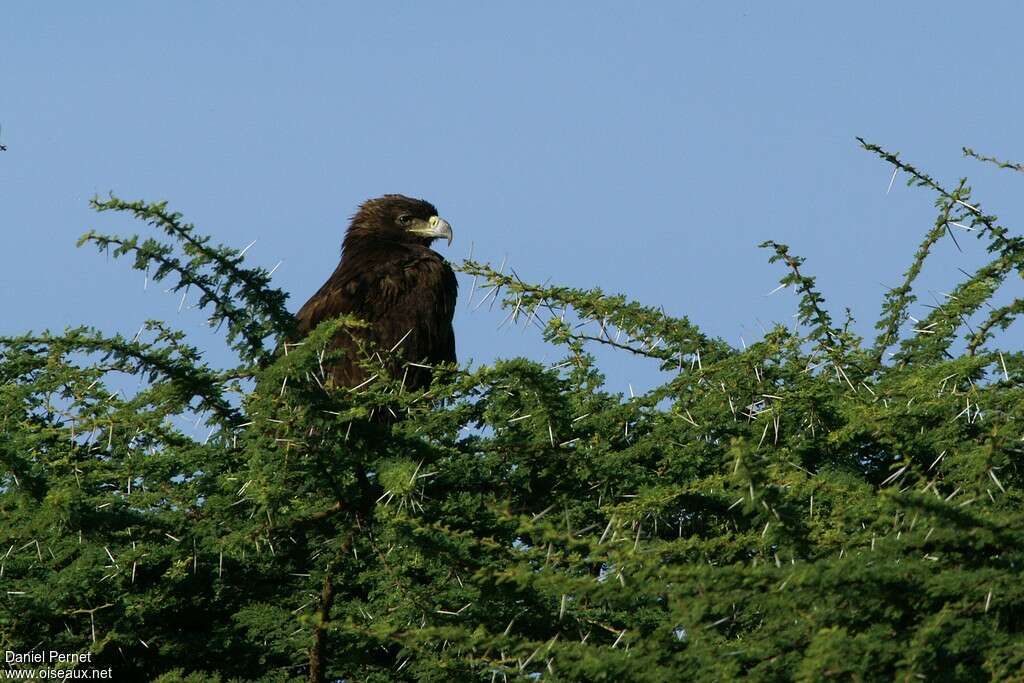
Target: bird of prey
{"points": [[390, 278]]}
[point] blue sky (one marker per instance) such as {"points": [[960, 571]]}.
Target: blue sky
{"points": [[645, 149]]}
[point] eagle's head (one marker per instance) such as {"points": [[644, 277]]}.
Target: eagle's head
{"points": [[397, 218]]}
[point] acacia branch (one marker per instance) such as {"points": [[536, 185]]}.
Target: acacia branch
{"points": [[993, 160], [318, 652], [1001, 317], [900, 298]]}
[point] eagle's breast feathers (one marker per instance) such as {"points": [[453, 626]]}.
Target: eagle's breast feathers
{"points": [[391, 279]]}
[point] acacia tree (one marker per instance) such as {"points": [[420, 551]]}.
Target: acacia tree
{"points": [[813, 505]]}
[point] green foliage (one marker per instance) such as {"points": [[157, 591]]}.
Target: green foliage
{"points": [[800, 509]]}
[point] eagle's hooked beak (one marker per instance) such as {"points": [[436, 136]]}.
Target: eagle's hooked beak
{"points": [[435, 227]]}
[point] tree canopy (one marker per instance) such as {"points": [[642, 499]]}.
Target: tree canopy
{"points": [[814, 505]]}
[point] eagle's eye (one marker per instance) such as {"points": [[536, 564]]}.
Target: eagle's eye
{"points": [[405, 219]]}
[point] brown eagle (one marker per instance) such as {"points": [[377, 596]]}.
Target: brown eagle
{"points": [[391, 278]]}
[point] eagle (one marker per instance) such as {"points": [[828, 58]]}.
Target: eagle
{"points": [[390, 278]]}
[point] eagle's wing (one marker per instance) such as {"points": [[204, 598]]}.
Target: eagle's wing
{"points": [[408, 300]]}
